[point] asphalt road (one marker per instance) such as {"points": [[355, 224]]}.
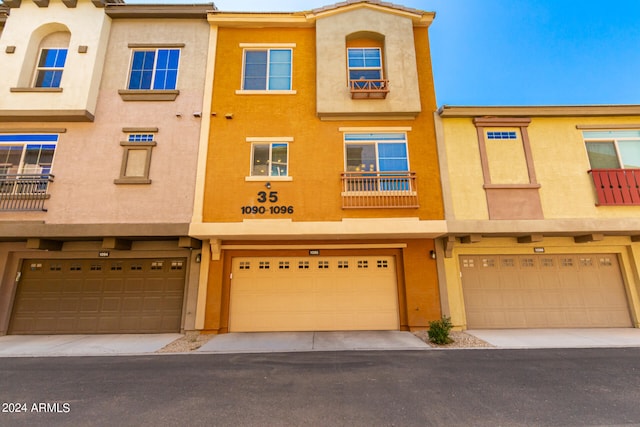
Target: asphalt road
{"points": [[489, 387]]}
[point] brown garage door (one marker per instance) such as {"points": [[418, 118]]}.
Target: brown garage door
{"points": [[544, 291], [99, 296], [314, 294]]}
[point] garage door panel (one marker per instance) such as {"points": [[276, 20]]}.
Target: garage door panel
{"points": [[328, 293], [95, 296], [547, 291]]}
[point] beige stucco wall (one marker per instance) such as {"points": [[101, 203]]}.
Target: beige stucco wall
{"points": [[88, 156], [88, 25], [561, 165], [399, 63]]}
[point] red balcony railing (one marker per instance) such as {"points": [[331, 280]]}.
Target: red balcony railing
{"points": [[616, 187], [24, 192], [379, 190], [362, 89]]}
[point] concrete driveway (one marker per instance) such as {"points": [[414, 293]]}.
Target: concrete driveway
{"points": [[559, 338], [274, 342]]}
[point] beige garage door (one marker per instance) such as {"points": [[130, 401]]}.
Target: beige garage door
{"points": [[543, 291], [313, 294], [99, 296]]}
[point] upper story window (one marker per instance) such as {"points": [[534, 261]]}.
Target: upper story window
{"points": [[267, 69], [271, 159], [27, 154], [365, 63], [613, 149], [369, 152], [154, 69], [50, 67], [366, 71]]}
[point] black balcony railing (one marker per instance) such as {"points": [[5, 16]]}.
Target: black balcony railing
{"points": [[24, 192]]}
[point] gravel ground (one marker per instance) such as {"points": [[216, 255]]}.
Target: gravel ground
{"points": [[190, 342], [194, 340], [460, 340]]}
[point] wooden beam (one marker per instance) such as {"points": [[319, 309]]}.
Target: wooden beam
{"points": [[115, 243], [471, 238], [44, 244], [635, 238], [189, 242], [41, 3], [530, 238], [594, 237], [449, 243], [70, 3]]}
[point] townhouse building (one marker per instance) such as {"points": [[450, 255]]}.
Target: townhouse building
{"points": [[318, 196], [99, 129], [543, 215]]}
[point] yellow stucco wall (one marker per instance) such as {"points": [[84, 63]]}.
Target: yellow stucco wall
{"points": [[316, 154], [561, 165]]}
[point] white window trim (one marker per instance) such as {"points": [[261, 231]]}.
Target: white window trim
{"points": [[268, 140], [21, 165], [265, 46], [381, 67], [374, 142], [613, 139], [38, 68]]}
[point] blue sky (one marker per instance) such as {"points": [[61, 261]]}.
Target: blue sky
{"points": [[521, 52]]}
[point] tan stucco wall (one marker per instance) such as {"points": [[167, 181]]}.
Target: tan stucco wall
{"points": [[88, 25], [399, 60]]}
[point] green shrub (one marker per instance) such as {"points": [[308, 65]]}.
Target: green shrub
{"points": [[439, 331]]}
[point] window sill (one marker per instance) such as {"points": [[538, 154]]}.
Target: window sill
{"points": [[132, 181], [36, 89], [267, 178], [266, 92], [148, 95]]}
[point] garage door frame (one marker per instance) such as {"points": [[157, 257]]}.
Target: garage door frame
{"points": [[228, 256], [621, 292], [20, 259]]}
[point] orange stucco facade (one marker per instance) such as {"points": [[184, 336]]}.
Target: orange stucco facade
{"points": [[309, 218], [316, 156]]}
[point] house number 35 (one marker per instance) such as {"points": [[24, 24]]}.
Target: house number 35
{"points": [[272, 196]]}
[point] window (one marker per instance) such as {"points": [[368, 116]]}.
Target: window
{"points": [[27, 154], [368, 152], [154, 69], [50, 67], [613, 149], [136, 159], [501, 135], [365, 63], [269, 159], [267, 69]]}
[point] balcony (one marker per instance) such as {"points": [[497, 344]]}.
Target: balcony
{"points": [[369, 89], [24, 192], [379, 190], [617, 187]]}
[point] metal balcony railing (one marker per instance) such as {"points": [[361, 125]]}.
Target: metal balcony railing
{"points": [[616, 187], [379, 190], [24, 192], [363, 89]]}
